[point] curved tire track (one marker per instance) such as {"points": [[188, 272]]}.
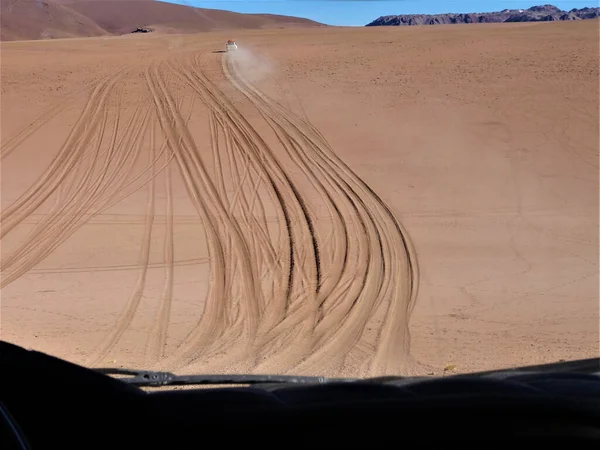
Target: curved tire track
{"points": [[296, 294]]}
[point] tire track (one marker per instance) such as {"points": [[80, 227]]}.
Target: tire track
{"points": [[55, 229], [291, 145], [159, 331], [247, 139], [261, 245], [52, 224], [63, 163], [301, 277], [384, 259], [293, 295], [133, 303], [236, 150], [94, 185], [219, 179], [213, 307], [217, 221], [11, 143], [239, 205], [117, 268], [163, 150], [69, 193]]}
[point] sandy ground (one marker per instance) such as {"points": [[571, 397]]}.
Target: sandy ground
{"points": [[303, 204]]}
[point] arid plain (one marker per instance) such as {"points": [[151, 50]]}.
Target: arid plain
{"points": [[336, 201]]}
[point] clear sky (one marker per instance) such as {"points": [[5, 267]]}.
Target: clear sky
{"points": [[361, 12]]}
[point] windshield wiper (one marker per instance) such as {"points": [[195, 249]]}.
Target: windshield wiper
{"points": [[143, 378]]}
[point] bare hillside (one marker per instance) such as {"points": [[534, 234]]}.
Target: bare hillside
{"points": [[37, 19], [49, 19]]}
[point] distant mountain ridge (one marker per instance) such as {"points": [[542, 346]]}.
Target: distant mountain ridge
{"points": [[543, 13]]}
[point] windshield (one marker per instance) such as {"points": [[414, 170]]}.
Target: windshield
{"points": [[338, 201]]}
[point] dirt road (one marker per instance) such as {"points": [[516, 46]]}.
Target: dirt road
{"points": [[289, 207]]}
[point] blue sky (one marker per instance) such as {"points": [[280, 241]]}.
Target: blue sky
{"points": [[361, 12]]}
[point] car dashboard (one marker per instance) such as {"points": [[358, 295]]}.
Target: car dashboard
{"points": [[50, 403]]}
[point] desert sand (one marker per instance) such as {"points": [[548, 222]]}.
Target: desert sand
{"points": [[335, 201]]}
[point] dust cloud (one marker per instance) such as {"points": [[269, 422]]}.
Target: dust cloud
{"points": [[253, 66]]}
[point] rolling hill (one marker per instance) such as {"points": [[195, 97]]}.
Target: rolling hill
{"points": [[37, 19], [50, 19]]}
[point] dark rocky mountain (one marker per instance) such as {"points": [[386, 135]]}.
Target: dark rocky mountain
{"points": [[544, 13]]}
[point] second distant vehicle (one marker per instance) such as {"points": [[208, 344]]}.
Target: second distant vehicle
{"points": [[231, 45]]}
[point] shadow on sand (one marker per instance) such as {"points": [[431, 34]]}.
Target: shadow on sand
{"points": [[220, 51]]}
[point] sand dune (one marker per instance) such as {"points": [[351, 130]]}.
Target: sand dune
{"points": [[36, 19], [44, 19]]}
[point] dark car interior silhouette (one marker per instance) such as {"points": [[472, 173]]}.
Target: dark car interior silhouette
{"points": [[47, 402]]}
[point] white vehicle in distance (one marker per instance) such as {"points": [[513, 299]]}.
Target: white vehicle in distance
{"points": [[231, 45]]}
